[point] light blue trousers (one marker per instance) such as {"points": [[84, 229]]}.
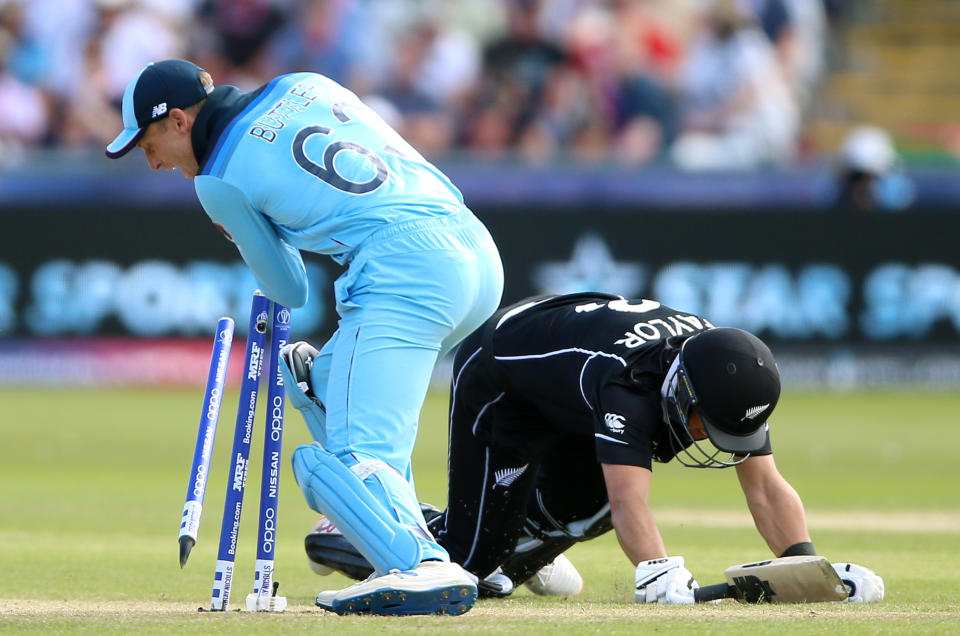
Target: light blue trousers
{"points": [[411, 294]]}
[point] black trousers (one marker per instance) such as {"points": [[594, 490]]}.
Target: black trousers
{"points": [[508, 467]]}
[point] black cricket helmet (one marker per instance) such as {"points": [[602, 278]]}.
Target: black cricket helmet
{"points": [[730, 376]]}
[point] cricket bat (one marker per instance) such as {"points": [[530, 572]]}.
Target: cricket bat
{"points": [[796, 579]]}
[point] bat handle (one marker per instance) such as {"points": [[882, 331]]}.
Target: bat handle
{"points": [[709, 593]]}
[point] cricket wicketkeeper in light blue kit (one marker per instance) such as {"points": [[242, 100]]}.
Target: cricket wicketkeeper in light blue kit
{"points": [[302, 164]]}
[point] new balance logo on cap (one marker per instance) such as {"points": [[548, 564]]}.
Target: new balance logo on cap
{"points": [[158, 110]]}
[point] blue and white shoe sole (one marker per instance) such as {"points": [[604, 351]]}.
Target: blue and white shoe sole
{"points": [[449, 600]]}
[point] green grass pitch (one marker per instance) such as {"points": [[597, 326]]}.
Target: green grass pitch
{"points": [[93, 481]]}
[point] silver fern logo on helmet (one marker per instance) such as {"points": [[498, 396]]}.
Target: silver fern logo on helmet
{"points": [[754, 411]]}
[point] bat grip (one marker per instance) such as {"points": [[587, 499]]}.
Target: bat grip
{"points": [[709, 593]]}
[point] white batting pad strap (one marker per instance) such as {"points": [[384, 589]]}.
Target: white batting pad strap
{"points": [[366, 468]]}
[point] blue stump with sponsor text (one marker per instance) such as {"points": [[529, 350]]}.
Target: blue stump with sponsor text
{"points": [[262, 598], [206, 435], [240, 454]]}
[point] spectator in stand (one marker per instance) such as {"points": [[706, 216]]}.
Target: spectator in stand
{"points": [[90, 117], [547, 80], [869, 175], [567, 123], [451, 61], [772, 16], [608, 99], [62, 30], [649, 52], [579, 109], [243, 29], [776, 21], [736, 110], [517, 70], [342, 39], [424, 121], [795, 28], [24, 110], [127, 34], [806, 63], [26, 56], [132, 35]]}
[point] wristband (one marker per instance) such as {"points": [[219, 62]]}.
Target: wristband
{"points": [[800, 549]]}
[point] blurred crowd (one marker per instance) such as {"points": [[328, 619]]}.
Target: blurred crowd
{"points": [[704, 84]]}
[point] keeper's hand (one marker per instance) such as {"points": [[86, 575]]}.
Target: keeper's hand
{"points": [[863, 584], [664, 581]]}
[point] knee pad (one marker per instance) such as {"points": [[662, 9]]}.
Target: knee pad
{"points": [[339, 492]]}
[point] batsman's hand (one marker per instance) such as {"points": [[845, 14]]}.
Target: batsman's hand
{"points": [[863, 584], [664, 581]]}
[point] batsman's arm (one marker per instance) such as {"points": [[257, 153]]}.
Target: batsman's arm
{"points": [[775, 506], [628, 488], [277, 266]]}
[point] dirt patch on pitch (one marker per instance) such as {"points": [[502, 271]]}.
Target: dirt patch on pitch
{"points": [[485, 614], [859, 520], [80, 609], [726, 611], [120, 609]]}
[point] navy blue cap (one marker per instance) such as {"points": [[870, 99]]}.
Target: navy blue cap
{"points": [[150, 96]]}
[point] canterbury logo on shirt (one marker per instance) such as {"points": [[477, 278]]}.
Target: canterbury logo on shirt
{"points": [[506, 476], [614, 422]]}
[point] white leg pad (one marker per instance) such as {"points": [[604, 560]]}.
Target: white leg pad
{"points": [[338, 492]]}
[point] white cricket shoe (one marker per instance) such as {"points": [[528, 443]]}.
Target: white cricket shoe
{"points": [[559, 578], [496, 584], [433, 587]]}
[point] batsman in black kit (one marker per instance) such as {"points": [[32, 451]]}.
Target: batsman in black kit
{"points": [[559, 408]]}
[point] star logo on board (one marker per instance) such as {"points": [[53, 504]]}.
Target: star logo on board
{"points": [[591, 268]]}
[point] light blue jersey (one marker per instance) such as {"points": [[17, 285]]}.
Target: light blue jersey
{"points": [[302, 164], [307, 165]]}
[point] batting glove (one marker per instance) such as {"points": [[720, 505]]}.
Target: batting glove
{"points": [[863, 584], [664, 581]]}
